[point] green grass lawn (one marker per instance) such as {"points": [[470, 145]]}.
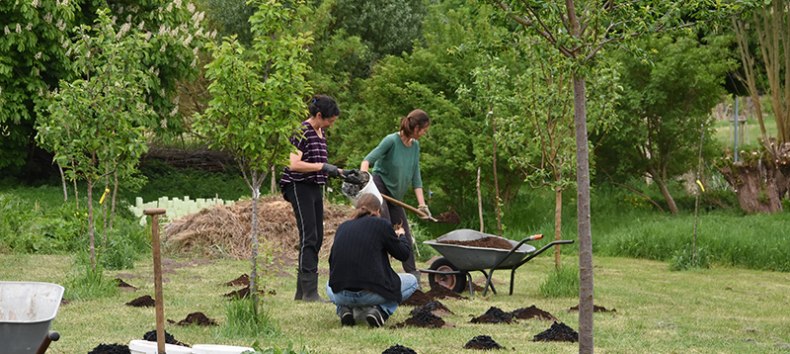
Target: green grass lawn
{"points": [[718, 310]]}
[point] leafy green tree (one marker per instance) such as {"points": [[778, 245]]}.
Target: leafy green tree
{"points": [[32, 60], [95, 126], [579, 30], [668, 93], [458, 35], [257, 97], [388, 27], [33, 57]]}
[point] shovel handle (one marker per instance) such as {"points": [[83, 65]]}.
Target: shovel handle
{"points": [[409, 207]]}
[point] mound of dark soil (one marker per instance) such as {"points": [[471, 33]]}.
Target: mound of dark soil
{"points": [[418, 298], [440, 292], [559, 332], [242, 280], [434, 307], [486, 242], [596, 308], [244, 293], [424, 319], [169, 339], [526, 313], [110, 349], [398, 349], [142, 301], [449, 217], [494, 315], [197, 318], [482, 342], [123, 284]]}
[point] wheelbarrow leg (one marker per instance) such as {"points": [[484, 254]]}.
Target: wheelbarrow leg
{"points": [[49, 338], [489, 282]]}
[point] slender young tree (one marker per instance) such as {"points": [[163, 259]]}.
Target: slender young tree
{"points": [[257, 101], [96, 124], [579, 30]]}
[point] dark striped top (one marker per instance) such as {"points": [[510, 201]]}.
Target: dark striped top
{"points": [[313, 148]]}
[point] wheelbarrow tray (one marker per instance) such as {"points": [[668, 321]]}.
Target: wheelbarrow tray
{"points": [[467, 258], [26, 312]]}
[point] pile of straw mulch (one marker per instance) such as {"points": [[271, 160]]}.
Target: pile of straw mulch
{"points": [[222, 231]]}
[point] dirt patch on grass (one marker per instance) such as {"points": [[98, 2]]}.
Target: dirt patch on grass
{"points": [[526, 313], [434, 307], [110, 349], [559, 332], [596, 308], [242, 280], [244, 293], [124, 285], [420, 298], [196, 318], [423, 318], [482, 342], [142, 301], [169, 339], [398, 349], [494, 315]]}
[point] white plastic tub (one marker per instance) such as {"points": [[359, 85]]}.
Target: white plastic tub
{"points": [[219, 349], [139, 346], [26, 312]]}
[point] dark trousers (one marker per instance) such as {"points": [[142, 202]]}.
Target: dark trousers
{"points": [[396, 215], [308, 205]]}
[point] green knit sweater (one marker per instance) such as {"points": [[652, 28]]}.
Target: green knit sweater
{"points": [[397, 164]]}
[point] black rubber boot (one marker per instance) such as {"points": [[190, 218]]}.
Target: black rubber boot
{"points": [[298, 295], [309, 283]]}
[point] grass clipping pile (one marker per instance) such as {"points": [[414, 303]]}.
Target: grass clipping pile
{"points": [[224, 230]]}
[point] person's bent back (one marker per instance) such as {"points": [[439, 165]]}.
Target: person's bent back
{"points": [[362, 282]]}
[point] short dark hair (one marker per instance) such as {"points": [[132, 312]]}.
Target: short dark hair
{"points": [[325, 105]]}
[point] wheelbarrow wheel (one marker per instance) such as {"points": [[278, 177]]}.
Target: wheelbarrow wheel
{"points": [[454, 282]]}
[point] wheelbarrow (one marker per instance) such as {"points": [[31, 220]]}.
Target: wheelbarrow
{"points": [[452, 271], [26, 312]]}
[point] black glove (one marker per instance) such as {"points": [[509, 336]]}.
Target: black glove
{"points": [[330, 169], [355, 176]]}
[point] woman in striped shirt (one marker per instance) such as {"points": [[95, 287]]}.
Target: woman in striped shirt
{"points": [[301, 184]]}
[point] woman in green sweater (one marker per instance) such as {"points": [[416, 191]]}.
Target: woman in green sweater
{"points": [[396, 169]]}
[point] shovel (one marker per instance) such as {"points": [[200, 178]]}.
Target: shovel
{"points": [[409, 207], [356, 182]]}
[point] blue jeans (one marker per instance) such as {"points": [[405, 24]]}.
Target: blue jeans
{"points": [[346, 298]]}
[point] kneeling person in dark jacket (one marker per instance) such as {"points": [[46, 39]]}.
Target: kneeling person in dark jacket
{"points": [[362, 282]]}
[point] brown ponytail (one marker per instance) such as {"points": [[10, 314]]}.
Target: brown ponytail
{"points": [[417, 119], [367, 204]]}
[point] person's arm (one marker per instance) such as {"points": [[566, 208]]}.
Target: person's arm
{"points": [[382, 149], [297, 165], [396, 243]]}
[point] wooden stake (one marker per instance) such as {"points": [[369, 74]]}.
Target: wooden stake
{"points": [[160, 311]]}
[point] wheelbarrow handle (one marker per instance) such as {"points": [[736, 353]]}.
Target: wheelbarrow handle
{"points": [[49, 338]]}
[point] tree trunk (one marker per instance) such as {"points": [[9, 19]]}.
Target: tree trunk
{"points": [[759, 186], [498, 200], [480, 202], [583, 216], [557, 225], [256, 182], [662, 185], [114, 195], [63, 181], [105, 211], [91, 235]]}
